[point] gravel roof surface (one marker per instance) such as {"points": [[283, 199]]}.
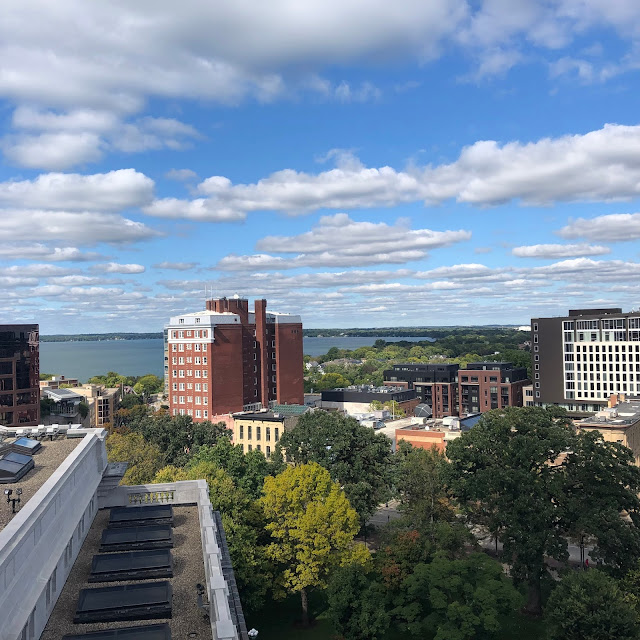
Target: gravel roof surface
{"points": [[188, 570], [46, 461]]}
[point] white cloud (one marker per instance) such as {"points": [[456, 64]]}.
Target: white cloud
{"points": [[81, 228], [559, 250], [339, 241], [602, 165], [615, 227], [79, 136], [52, 150], [110, 191], [114, 267], [588, 270], [182, 175], [42, 252], [177, 266]]}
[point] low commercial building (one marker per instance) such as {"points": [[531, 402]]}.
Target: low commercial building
{"points": [[425, 438], [262, 430], [619, 422], [483, 386], [357, 399], [435, 384]]}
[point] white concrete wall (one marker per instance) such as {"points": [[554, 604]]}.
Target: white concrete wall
{"points": [[40, 544]]}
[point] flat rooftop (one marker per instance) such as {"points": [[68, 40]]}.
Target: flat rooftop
{"points": [[187, 621], [623, 415], [46, 460]]}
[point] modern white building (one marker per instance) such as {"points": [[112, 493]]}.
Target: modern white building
{"points": [[580, 360]]}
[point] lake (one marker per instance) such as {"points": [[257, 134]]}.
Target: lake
{"points": [[83, 360]]}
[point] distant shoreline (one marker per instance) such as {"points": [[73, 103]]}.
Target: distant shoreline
{"points": [[383, 332]]}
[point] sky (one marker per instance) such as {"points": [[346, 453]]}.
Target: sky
{"points": [[362, 164]]}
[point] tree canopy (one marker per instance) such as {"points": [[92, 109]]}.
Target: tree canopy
{"points": [[312, 525], [589, 605], [359, 459], [524, 475]]}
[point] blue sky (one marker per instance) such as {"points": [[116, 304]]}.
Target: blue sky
{"points": [[431, 162]]}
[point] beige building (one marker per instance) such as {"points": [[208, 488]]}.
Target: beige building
{"points": [[262, 430], [103, 402], [58, 382], [619, 422]]}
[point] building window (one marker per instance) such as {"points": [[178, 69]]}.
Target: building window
{"points": [[268, 451], [268, 434], [181, 321], [198, 413], [250, 447], [276, 433], [249, 432], [258, 447], [241, 434], [258, 433], [205, 413], [181, 401], [535, 326]]}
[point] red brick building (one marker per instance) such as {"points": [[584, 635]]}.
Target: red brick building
{"points": [[484, 386], [227, 358]]}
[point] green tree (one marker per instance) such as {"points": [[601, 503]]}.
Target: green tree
{"points": [[144, 458], [589, 605], [178, 437], [357, 601], [524, 475], [331, 381], [247, 470], [83, 409], [458, 599], [148, 385], [313, 527], [111, 379], [130, 400], [46, 404], [359, 459], [421, 483]]}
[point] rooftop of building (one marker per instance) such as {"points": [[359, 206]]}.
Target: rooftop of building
{"points": [[369, 388], [489, 366], [187, 619], [623, 415], [592, 313], [264, 416], [426, 366], [46, 460], [290, 409], [62, 394]]}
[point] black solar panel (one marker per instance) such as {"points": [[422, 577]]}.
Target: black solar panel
{"points": [[141, 516], [141, 601], [132, 565], [147, 632], [26, 445], [14, 466], [137, 538]]}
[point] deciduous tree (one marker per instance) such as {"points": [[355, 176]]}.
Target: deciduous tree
{"points": [[588, 605], [527, 477], [359, 459], [144, 458], [313, 527]]}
